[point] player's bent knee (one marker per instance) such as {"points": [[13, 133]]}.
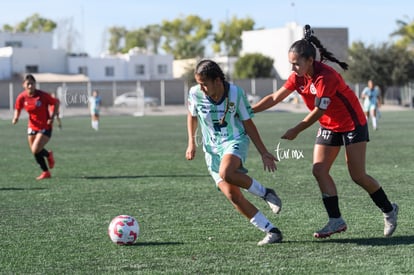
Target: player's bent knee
{"points": [[318, 171]]}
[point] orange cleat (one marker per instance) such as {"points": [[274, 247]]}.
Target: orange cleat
{"points": [[44, 175], [51, 160]]}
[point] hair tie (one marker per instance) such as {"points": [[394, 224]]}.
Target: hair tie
{"points": [[307, 32]]}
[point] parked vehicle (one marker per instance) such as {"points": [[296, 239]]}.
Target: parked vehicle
{"points": [[131, 99]]}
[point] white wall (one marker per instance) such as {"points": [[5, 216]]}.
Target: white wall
{"points": [[273, 43], [48, 61], [5, 68], [36, 49], [28, 40], [124, 66]]}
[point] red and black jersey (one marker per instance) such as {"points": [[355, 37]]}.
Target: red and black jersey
{"points": [[37, 106], [343, 109]]}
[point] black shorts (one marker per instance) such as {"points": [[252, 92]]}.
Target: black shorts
{"points": [[331, 138], [45, 132]]}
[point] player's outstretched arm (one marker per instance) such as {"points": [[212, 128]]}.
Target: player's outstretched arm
{"points": [[16, 116], [269, 161]]}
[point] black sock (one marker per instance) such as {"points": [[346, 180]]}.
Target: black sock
{"points": [[44, 153], [41, 160], [380, 199], [332, 206]]}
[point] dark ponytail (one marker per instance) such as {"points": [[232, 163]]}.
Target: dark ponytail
{"points": [[305, 48]]}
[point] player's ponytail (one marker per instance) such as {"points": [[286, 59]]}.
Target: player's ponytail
{"points": [[305, 48]]}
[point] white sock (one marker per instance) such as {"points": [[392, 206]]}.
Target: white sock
{"points": [[374, 122], [95, 124], [261, 222], [257, 189]]}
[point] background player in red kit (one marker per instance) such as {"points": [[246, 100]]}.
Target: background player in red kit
{"points": [[342, 122], [36, 103]]}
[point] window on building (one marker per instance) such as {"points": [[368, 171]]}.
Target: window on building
{"points": [[83, 70], [14, 44], [32, 69], [109, 71], [140, 69], [162, 69]]}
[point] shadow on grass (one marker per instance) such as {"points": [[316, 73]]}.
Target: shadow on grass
{"points": [[155, 243], [399, 240], [142, 176], [20, 188]]}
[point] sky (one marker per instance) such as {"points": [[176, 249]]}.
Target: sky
{"points": [[368, 21]]}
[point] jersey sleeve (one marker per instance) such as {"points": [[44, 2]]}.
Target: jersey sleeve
{"points": [[244, 109], [19, 102], [290, 83], [50, 100], [191, 101]]}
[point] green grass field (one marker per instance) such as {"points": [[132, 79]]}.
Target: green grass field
{"points": [[136, 166]]}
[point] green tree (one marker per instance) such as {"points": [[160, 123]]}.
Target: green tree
{"points": [[117, 36], [133, 39], [153, 37], [386, 65], [253, 65], [32, 24], [406, 33], [184, 37], [228, 38]]}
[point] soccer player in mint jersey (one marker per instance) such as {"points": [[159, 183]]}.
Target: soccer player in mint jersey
{"points": [[95, 102], [36, 103], [342, 123], [222, 112], [372, 100]]}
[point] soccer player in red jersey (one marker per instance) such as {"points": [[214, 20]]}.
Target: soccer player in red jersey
{"points": [[36, 103], [342, 123]]}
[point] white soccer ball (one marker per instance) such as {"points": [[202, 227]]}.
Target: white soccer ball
{"points": [[123, 230]]}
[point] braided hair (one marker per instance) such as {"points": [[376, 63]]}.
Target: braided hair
{"points": [[306, 48]]}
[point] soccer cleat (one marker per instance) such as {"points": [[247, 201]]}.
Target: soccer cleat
{"points": [[333, 226], [273, 200], [390, 221], [44, 175], [274, 236], [51, 160]]}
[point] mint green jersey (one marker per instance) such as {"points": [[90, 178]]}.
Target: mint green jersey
{"points": [[210, 114]]}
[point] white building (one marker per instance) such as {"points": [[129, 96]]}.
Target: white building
{"points": [[275, 43], [29, 53], [22, 53], [136, 65], [42, 40]]}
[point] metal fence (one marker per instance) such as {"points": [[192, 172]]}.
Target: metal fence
{"points": [[167, 92]]}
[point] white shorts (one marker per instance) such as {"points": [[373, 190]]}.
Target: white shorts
{"points": [[369, 107], [238, 148]]}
